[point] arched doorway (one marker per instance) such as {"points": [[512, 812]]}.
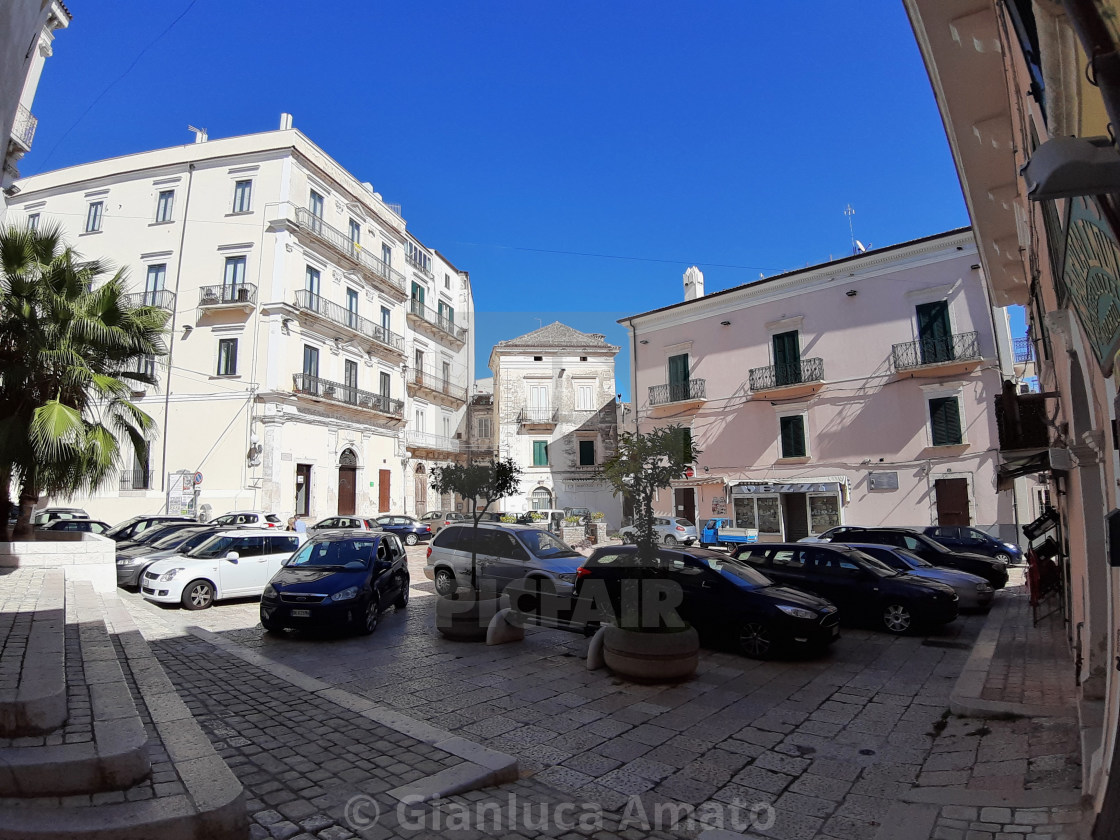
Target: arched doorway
{"points": [[347, 483], [421, 481], [542, 499]]}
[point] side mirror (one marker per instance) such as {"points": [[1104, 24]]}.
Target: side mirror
{"points": [[232, 555]]}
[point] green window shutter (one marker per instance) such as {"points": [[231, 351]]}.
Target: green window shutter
{"points": [[417, 292], [793, 436], [787, 358], [934, 334], [945, 421], [678, 377], [540, 453]]}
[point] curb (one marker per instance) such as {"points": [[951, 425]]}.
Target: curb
{"points": [[38, 704]]}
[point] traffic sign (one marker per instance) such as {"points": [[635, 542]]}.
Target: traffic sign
{"points": [[197, 478]]}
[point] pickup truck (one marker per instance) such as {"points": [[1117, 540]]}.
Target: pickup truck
{"points": [[718, 531]]}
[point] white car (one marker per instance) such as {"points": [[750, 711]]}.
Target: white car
{"points": [[669, 530], [255, 518], [231, 564]]}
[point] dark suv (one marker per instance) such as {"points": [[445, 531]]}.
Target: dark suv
{"points": [[965, 538]]}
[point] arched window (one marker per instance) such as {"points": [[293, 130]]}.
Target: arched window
{"points": [[542, 499], [348, 458]]}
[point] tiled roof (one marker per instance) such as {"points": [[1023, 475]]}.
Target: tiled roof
{"points": [[558, 335]]}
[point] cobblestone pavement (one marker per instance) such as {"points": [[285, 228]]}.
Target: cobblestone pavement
{"points": [[829, 743]]}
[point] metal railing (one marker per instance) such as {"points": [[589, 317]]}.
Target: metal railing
{"points": [[1028, 429], [425, 378], [162, 299], [348, 248], [778, 376], [430, 441], [960, 347], [537, 415], [305, 383], [1024, 349], [225, 294], [417, 263], [426, 313], [136, 479], [344, 317], [692, 389], [23, 129]]}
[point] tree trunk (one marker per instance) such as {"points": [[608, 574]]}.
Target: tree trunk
{"points": [[28, 496], [5, 502]]}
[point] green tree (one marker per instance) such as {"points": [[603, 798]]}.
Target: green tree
{"points": [[69, 353], [485, 481]]}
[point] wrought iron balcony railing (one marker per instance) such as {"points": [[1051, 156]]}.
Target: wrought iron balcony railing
{"points": [[426, 313], [1024, 350], [345, 318], [162, 299], [342, 243], [23, 129], [222, 294], [693, 389], [779, 376], [426, 440], [425, 378], [961, 347], [536, 415], [1029, 429], [305, 383], [136, 479]]}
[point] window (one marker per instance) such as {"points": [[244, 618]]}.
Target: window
{"points": [[446, 374], [483, 427], [33, 221], [419, 362], [352, 308], [387, 256], [355, 233], [684, 441], [242, 196], [419, 417], [824, 513], [586, 453], [585, 397], [386, 321], [163, 205], [935, 335], [315, 204], [678, 377], [385, 381], [793, 436], [446, 315], [540, 453], [234, 277], [447, 427], [311, 281], [351, 379], [761, 512], [93, 216], [945, 421], [310, 361], [446, 281], [417, 299], [154, 284], [227, 356], [787, 358], [146, 365], [417, 257]]}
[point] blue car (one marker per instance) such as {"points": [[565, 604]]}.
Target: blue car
{"points": [[973, 592], [964, 538], [410, 530]]}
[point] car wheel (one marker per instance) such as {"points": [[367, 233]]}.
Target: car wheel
{"points": [[445, 583], [756, 640], [1004, 558], [670, 540], [371, 616], [402, 598], [410, 539], [897, 618], [198, 595]]}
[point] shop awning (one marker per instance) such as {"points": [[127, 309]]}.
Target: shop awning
{"points": [[1029, 462], [817, 484]]}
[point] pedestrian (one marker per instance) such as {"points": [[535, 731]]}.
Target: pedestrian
{"points": [[291, 523], [301, 526]]}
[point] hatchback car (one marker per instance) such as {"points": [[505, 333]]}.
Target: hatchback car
{"points": [[131, 528], [339, 580], [973, 592], [410, 530], [85, 526], [342, 523], [133, 559], [48, 515], [254, 518], [506, 554], [864, 589], [965, 538], [670, 530], [721, 597], [231, 564], [437, 519]]}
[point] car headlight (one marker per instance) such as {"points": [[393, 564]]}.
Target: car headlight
{"points": [[170, 575], [1014, 549], [797, 612], [568, 578], [983, 587], [269, 591], [125, 561], [346, 594]]}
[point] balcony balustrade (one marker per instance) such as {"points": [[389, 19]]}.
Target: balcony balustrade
{"points": [[538, 416], [343, 317], [693, 389], [432, 381], [1024, 350], [23, 128], [161, 299], [136, 479], [426, 440], [960, 347], [342, 244], [429, 316], [305, 383], [781, 376], [237, 294]]}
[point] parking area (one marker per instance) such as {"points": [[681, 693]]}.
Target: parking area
{"points": [[829, 743]]}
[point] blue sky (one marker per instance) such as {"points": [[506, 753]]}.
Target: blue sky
{"points": [[573, 157]]}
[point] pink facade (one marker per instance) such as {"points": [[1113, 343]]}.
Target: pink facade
{"points": [[875, 354]]}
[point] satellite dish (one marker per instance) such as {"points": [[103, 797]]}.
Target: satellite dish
{"points": [[860, 247]]}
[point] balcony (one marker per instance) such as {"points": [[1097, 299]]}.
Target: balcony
{"points": [[428, 321], [384, 275], [1024, 350], [241, 296], [136, 479], [537, 417], [802, 378], [675, 392], [336, 392], [437, 386], [421, 262], [162, 299], [353, 323], [23, 129], [436, 446], [937, 356], [1022, 422]]}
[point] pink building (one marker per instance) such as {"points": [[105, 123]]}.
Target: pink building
{"points": [[859, 391]]}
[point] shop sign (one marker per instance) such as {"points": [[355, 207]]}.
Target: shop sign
{"points": [[1091, 277], [751, 489]]}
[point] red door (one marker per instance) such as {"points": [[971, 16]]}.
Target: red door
{"points": [[383, 477], [347, 490]]}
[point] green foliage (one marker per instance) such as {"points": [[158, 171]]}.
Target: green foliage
{"points": [[598, 516], [573, 520]]}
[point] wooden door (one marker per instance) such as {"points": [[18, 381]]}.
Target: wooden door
{"points": [[935, 336], [952, 501], [347, 490], [685, 503], [383, 481]]}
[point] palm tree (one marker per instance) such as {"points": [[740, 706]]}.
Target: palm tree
{"points": [[68, 353]]}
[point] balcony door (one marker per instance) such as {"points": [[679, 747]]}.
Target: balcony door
{"points": [[310, 364], [352, 308], [417, 299], [234, 278], [678, 377], [154, 283], [935, 335], [351, 381], [787, 358], [538, 403]]}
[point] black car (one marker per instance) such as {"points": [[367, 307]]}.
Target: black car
{"points": [[156, 532], [720, 596], [993, 571], [863, 588], [974, 541], [408, 529], [132, 528], [338, 580]]}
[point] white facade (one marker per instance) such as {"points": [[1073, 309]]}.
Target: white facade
{"points": [[319, 352], [556, 416]]}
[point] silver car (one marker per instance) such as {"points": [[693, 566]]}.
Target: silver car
{"points": [[973, 592], [670, 530]]}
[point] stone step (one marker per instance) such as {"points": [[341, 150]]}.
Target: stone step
{"points": [[32, 653]]}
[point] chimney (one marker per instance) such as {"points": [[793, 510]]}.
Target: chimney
{"points": [[693, 283], [285, 122]]}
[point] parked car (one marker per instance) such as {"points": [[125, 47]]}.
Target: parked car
{"points": [[157, 531], [87, 526], [130, 528], [721, 597], [928, 549], [343, 580], [583, 513], [342, 523], [133, 559], [505, 553], [437, 519], [408, 529], [48, 515], [973, 592], [965, 538], [721, 531], [670, 530], [864, 589], [231, 564], [255, 518]]}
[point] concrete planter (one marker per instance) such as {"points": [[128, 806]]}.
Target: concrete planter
{"points": [[572, 534], [645, 656], [81, 556], [597, 532], [466, 617]]}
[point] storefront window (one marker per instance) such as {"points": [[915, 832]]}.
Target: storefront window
{"points": [[769, 515], [744, 514], [824, 513]]}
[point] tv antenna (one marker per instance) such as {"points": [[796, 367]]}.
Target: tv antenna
{"points": [[857, 246]]}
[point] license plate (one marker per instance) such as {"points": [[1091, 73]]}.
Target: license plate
{"points": [[301, 613]]}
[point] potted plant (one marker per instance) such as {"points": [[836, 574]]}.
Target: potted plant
{"points": [[572, 530], [597, 528], [465, 614], [663, 648]]}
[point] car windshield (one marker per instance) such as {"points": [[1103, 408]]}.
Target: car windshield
{"points": [[931, 543], [873, 565], [913, 560], [683, 522], [178, 538], [543, 544], [121, 528], [339, 554], [155, 533], [734, 570], [214, 547]]}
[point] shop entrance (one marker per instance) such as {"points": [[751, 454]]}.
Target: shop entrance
{"points": [[684, 503], [795, 516]]}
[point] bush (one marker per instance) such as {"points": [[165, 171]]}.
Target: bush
{"points": [[598, 516], [573, 520]]}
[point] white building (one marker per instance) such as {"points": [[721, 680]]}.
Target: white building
{"points": [[319, 352], [556, 414]]}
